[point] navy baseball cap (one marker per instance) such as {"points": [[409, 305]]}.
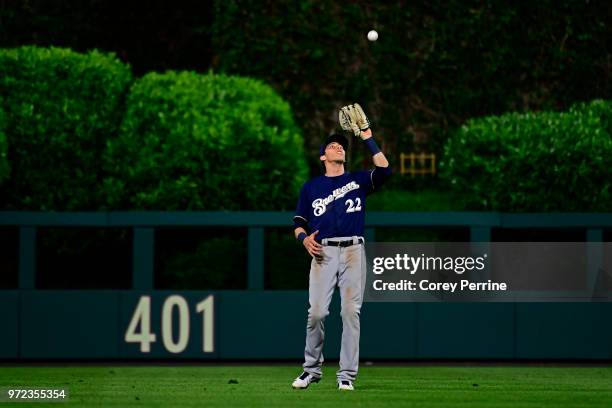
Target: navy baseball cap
{"points": [[334, 137]]}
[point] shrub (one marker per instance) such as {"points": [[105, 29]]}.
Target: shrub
{"points": [[598, 108], [60, 107], [532, 162], [191, 141]]}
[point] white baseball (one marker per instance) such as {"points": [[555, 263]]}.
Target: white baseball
{"points": [[373, 35]]}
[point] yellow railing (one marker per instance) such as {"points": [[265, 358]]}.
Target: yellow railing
{"points": [[419, 163]]}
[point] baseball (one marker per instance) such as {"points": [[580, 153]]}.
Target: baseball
{"points": [[373, 35]]}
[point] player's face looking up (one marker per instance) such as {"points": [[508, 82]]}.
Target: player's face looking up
{"points": [[334, 152]]}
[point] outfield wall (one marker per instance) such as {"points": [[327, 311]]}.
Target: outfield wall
{"points": [[271, 325], [145, 323]]}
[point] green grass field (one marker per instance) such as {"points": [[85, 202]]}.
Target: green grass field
{"points": [[270, 386]]}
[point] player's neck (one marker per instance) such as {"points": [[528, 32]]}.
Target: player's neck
{"points": [[333, 169]]}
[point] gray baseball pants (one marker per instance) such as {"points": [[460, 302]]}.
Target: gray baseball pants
{"points": [[344, 267]]}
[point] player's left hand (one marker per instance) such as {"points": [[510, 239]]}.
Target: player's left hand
{"points": [[353, 119]]}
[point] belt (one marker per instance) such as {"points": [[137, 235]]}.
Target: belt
{"points": [[344, 244]]}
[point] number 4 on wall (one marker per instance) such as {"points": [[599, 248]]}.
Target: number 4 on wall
{"points": [[142, 318]]}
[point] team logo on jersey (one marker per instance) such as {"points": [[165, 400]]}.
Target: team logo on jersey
{"points": [[320, 204]]}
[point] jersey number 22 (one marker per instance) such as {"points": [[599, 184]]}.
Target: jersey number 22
{"points": [[353, 206]]}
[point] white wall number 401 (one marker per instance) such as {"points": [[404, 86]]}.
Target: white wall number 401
{"points": [[142, 319]]}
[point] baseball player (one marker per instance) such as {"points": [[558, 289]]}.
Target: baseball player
{"points": [[329, 223]]}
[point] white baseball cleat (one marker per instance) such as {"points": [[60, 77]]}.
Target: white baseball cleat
{"points": [[345, 385], [304, 380]]}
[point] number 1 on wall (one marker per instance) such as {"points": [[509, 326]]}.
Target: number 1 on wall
{"points": [[207, 308]]}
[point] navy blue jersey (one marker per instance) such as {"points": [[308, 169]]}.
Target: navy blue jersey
{"points": [[335, 206]]}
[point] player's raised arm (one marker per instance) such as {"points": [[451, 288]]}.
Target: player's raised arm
{"points": [[382, 172], [378, 157], [352, 118]]}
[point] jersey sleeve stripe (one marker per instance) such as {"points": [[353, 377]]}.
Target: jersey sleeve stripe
{"points": [[372, 179]]}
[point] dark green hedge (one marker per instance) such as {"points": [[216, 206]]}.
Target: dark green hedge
{"points": [[4, 164], [598, 108], [533, 162], [421, 80], [191, 141], [61, 107]]}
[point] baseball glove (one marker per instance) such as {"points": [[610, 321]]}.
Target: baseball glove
{"points": [[353, 119]]}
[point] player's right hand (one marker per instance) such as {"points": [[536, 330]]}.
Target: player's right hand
{"points": [[313, 247]]}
